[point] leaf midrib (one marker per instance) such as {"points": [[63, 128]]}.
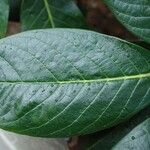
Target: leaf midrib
{"points": [[49, 13], [139, 76]]}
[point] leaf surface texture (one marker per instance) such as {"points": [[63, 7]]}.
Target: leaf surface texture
{"points": [[63, 82]]}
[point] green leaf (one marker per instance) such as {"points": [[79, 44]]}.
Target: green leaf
{"points": [[137, 139], [4, 11], [64, 82], [134, 15], [109, 138], [37, 14]]}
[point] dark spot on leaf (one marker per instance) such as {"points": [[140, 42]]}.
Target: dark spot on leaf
{"points": [[133, 137], [56, 100], [52, 85], [43, 90], [74, 91], [128, 56], [34, 91], [89, 89]]}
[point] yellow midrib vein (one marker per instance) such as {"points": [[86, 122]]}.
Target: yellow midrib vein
{"points": [[49, 13], [139, 76]]}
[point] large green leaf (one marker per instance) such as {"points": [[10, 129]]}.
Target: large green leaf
{"points": [[37, 14], [4, 11], [64, 82], [134, 14]]}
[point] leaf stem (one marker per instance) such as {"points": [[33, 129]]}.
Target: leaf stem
{"points": [[49, 13]]}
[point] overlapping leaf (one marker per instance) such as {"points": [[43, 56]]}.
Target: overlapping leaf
{"points": [[135, 15], [137, 139], [37, 14], [4, 11], [113, 138], [65, 82]]}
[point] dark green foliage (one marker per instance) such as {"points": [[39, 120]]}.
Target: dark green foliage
{"points": [[65, 82]]}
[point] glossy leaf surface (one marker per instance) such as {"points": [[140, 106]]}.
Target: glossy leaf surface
{"points": [[135, 15], [64, 82], [51, 14], [4, 11]]}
